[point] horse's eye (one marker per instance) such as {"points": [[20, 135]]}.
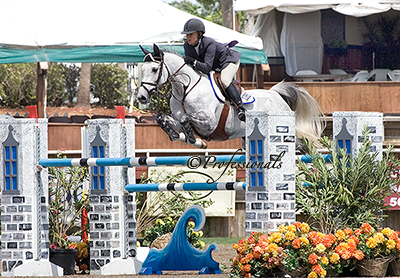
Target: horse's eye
{"points": [[154, 70]]}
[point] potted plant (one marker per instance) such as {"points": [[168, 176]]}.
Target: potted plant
{"points": [[347, 192], [379, 248], [66, 203]]}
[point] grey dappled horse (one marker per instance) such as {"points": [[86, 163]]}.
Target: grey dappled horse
{"points": [[196, 110]]}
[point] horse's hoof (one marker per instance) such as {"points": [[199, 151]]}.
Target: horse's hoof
{"points": [[201, 144], [182, 137]]}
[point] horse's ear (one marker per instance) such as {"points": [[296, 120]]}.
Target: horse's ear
{"points": [[157, 52], [145, 51]]}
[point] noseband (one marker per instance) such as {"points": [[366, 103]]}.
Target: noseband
{"points": [[150, 92]]}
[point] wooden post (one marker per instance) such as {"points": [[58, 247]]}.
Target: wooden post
{"points": [[41, 88], [260, 77]]}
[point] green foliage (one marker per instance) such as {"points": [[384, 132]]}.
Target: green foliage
{"points": [[17, 85], [348, 192], [160, 101], [71, 79], [166, 226], [56, 89], [208, 9], [109, 85], [66, 203], [161, 204]]}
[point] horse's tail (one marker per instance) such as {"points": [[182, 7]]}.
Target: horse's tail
{"points": [[310, 121]]}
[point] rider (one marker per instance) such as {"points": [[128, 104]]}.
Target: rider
{"points": [[205, 55]]}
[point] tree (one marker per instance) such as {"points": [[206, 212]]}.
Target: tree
{"points": [[84, 86]]}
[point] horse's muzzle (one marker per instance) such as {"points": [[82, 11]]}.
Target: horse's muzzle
{"points": [[142, 99]]}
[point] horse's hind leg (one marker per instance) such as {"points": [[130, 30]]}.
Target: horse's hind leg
{"points": [[166, 122]]}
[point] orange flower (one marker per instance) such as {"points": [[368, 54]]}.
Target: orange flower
{"points": [[297, 224], [366, 227], [249, 257], [251, 240], [352, 245], [247, 267], [358, 232], [317, 268], [243, 260], [358, 255], [313, 258], [346, 255], [247, 275], [348, 231], [296, 243], [354, 238], [234, 261], [328, 240]]}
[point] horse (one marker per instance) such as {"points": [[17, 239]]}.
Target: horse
{"points": [[196, 110]]}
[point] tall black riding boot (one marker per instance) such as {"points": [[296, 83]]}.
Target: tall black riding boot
{"points": [[235, 97]]}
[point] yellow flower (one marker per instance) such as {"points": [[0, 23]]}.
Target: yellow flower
{"points": [[276, 237], [304, 228], [137, 244], [320, 248], [387, 231], [323, 273], [169, 219], [312, 275], [340, 235], [371, 242], [335, 258], [282, 228], [391, 244], [191, 224], [290, 236], [291, 228], [200, 233], [324, 260], [272, 248], [305, 240], [158, 221], [379, 237], [196, 234], [201, 243]]}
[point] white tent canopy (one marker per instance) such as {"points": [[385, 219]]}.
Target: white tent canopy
{"points": [[348, 7], [50, 29], [300, 41]]}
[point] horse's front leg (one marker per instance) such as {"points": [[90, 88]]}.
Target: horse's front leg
{"points": [[179, 130], [169, 125]]}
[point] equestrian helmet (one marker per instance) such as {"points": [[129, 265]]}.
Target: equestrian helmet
{"points": [[193, 25]]}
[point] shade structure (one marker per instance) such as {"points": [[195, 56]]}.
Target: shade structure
{"points": [[98, 31]]}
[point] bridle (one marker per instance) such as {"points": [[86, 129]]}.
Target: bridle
{"points": [[156, 84]]}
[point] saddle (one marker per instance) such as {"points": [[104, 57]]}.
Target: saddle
{"points": [[219, 133]]}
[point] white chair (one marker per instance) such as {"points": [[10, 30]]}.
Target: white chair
{"points": [[307, 72], [394, 75], [360, 76], [379, 75], [337, 71]]}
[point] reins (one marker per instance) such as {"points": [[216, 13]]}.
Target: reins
{"points": [[169, 79]]}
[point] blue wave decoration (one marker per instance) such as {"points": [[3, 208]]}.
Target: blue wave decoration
{"points": [[179, 254]]}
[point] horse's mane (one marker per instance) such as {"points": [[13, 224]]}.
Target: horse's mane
{"points": [[173, 52]]}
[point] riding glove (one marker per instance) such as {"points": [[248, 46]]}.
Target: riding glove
{"points": [[189, 60]]}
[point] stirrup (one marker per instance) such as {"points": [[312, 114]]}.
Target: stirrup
{"points": [[242, 115]]}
